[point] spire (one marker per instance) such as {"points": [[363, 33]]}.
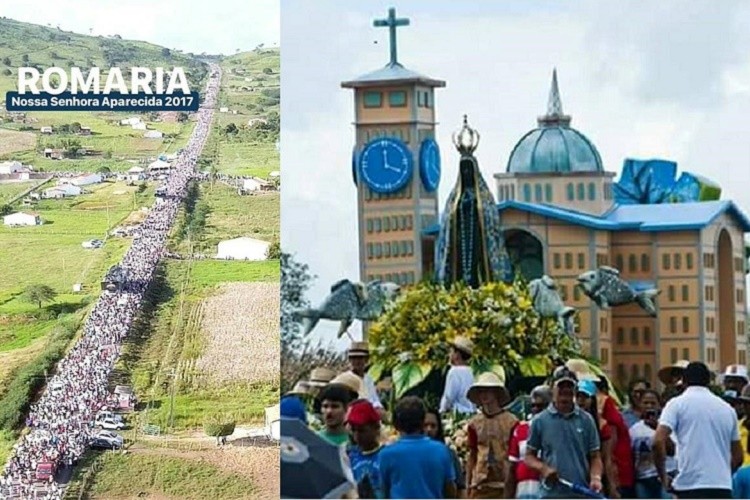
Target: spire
{"points": [[555, 116]]}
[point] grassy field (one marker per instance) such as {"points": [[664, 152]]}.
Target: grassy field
{"points": [[23, 44], [8, 191], [231, 215], [136, 475]]}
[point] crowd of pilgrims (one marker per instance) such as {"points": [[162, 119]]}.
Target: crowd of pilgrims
{"points": [[60, 423], [575, 439]]}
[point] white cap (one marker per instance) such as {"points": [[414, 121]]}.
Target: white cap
{"points": [[739, 371]]}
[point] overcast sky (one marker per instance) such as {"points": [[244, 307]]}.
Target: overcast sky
{"points": [[216, 26], [668, 80]]}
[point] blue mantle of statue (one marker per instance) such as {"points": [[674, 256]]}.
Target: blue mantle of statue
{"points": [[647, 182], [470, 246]]}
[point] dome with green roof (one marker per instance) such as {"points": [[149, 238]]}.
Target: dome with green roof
{"points": [[554, 147]]}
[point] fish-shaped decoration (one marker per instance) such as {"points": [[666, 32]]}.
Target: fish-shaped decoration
{"points": [[605, 287], [349, 301], [547, 303]]}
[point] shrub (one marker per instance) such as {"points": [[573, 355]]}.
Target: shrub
{"points": [[219, 426]]}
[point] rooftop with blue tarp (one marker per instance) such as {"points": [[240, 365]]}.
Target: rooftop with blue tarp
{"points": [[656, 217]]}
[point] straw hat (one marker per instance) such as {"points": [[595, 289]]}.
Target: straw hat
{"points": [[738, 371], [350, 381], [488, 380], [582, 370], [300, 389], [463, 344], [359, 349], [320, 377], [665, 374], [745, 394]]}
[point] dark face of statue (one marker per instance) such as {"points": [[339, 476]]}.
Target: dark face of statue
{"points": [[467, 173]]}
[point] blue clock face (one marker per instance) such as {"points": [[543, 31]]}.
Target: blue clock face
{"points": [[386, 165], [429, 164]]}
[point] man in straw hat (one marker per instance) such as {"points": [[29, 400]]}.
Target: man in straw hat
{"points": [[671, 376], [359, 356], [564, 442], [489, 434], [459, 379]]}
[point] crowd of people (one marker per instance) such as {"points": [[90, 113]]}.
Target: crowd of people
{"points": [[574, 439], [60, 422]]}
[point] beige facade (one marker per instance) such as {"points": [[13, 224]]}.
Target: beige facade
{"points": [[696, 290]]}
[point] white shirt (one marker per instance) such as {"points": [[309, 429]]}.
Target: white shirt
{"points": [[705, 426], [370, 392], [457, 385]]}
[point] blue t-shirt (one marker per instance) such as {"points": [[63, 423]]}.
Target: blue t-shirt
{"points": [[366, 471], [416, 467], [741, 483]]}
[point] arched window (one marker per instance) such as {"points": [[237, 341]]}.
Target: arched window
{"points": [[647, 372], [581, 191], [632, 263], [634, 336], [395, 249], [635, 372], [620, 335], [527, 192], [619, 262], [621, 375], [592, 191], [548, 192], [538, 193], [645, 263], [570, 191], [646, 335]]}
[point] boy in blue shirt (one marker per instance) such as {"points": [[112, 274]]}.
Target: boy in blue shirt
{"points": [[364, 424], [415, 466]]}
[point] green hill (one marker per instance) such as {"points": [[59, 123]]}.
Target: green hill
{"points": [[111, 145], [243, 141]]}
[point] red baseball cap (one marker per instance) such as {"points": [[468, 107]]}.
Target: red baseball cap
{"points": [[362, 413]]}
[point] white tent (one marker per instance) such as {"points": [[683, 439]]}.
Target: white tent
{"points": [[243, 249], [83, 180], [22, 219], [158, 166], [62, 191], [153, 134]]}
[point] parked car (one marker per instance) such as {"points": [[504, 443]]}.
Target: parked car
{"points": [[108, 414], [103, 444], [110, 437], [110, 424], [92, 244]]}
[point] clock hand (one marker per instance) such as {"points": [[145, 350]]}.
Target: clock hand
{"points": [[385, 158], [388, 167]]}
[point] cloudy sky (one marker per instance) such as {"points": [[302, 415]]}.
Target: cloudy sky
{"points": [[641, 80], [218, 26]]}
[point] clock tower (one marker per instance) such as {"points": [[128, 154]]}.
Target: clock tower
{"points": [[395, 168]]}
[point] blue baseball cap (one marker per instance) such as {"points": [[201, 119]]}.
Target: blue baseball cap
{"points": [[588, 387], [293, 407]]}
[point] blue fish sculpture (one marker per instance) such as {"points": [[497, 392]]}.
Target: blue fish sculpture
{"points": [[605, 287], [547, 303], [349, 301]]}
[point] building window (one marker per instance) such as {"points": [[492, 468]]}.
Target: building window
{"points": [[581, 191], [369, 225], [677, 261], [386, 224], [581, 260], [373, 99], [556, 260], [708, 260], [604, 356], [621, 373], [409, 222], [563, 292], [671, 293], [577, 293], [404, 248], [570, 190], [632, 263], [673, 355], [673, 324], [378, 250], [386, 249], [527, 192], [741, 357], [620, 335], [370, 251], [568, 260], [685, 324], [666, 262], [538, 193], [634, 336], [645, 263], [689, 260], [396, 223], [619, 262], [548, 192], [378, 225], [709, 293], [395, 248], [397, 99], [686, 353], [740, 296], [647, 372], [601, 259], [646, 335], [592, 191], [634, 372], [410, 247], [685, 293]]}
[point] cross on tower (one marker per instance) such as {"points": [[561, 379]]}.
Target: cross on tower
{"points": [[392, 23]]}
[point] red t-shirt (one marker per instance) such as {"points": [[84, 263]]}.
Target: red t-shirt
{"points": [[517, 450], [622, 453]]}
